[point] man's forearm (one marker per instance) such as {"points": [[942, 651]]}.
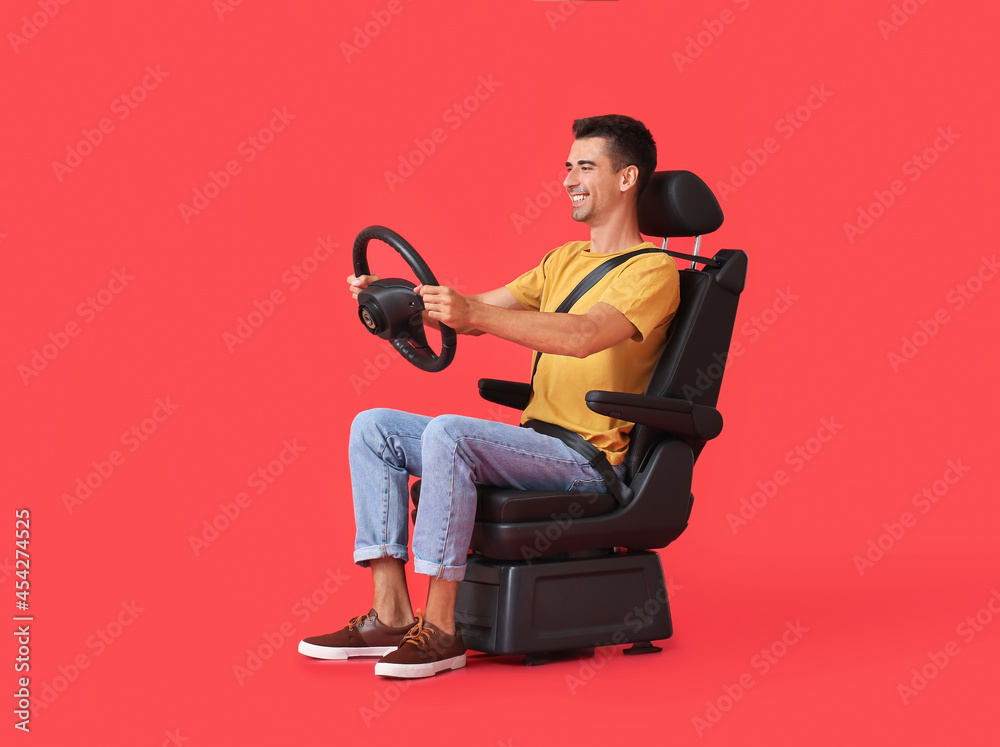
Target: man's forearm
{"points": [[435, 324], [499, 313], [545, 331]]}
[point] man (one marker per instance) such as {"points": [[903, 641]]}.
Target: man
{"points": [[610, 340]]}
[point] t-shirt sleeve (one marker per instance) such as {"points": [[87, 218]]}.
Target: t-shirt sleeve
{"points": [[527, 289], [647, 296]]}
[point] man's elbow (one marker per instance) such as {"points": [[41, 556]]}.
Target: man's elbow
{"points": [[581, 340], [579, 346], [590, 340]]}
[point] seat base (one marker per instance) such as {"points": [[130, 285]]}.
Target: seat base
{"points": [[533, 607], [534, 660]]}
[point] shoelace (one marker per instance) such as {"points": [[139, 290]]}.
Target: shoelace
{"points": [[420, 634], [357, 621]]}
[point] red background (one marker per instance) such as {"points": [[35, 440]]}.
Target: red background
{"points": [[309, 367]]}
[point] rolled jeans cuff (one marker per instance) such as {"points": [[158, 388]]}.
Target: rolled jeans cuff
{"points": [[364, 555], [439, 570]]}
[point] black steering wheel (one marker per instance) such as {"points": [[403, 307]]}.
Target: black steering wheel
{"points": [[391, 310]]}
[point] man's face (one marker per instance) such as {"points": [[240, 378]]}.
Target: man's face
{"points": [[592, 184]]}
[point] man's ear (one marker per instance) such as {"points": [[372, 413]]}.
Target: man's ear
{"points": [[629, 178]]}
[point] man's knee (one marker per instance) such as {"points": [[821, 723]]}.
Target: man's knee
{"points": [[368, 421], [366, 429], [448, 428]]}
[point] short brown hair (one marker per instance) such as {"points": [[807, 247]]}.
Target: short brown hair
{"points": [[629, 142]]}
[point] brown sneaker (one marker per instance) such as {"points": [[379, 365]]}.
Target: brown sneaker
{"points": [[365, 635], [425, 651]]}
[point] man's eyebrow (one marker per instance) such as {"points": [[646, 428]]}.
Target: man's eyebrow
{"points": [[581, 162]]}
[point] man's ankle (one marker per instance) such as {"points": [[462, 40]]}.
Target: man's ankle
{"points": [[395, 617], [447, 627]]}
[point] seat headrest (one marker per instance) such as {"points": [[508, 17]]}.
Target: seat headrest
{"points": [[678, 203]]}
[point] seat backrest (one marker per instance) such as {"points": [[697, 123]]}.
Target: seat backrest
{"points": [[678, 203], [693, 361]]}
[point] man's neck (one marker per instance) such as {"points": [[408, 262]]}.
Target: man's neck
{"points": [[616, 235]]}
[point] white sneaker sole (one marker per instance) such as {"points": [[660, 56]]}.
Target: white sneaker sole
{"points": [[387, 669], [327, 652]]}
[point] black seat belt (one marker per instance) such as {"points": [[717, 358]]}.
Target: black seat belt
{"points": [[585, 285], [597, 458]]}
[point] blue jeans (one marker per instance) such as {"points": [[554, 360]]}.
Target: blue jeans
{"points": [[452, 454]]}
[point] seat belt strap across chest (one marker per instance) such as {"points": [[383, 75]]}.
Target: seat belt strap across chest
{"points": [[597, 459], [586, 284]]}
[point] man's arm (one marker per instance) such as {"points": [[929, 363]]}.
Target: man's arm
{"points": [[498, 297], [577, 335]]}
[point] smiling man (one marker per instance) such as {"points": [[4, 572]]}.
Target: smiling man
{"points": [[610, 339]]}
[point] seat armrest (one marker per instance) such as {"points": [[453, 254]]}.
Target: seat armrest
{"points": [[506, 393], [666, 413]]}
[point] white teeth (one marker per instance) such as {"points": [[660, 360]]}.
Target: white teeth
{"points": [[578, 198]]}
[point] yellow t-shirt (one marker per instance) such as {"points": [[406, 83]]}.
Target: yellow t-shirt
{"points": [[646, 289]]}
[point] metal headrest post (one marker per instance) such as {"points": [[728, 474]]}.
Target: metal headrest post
{"points": [[694, 256]]}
